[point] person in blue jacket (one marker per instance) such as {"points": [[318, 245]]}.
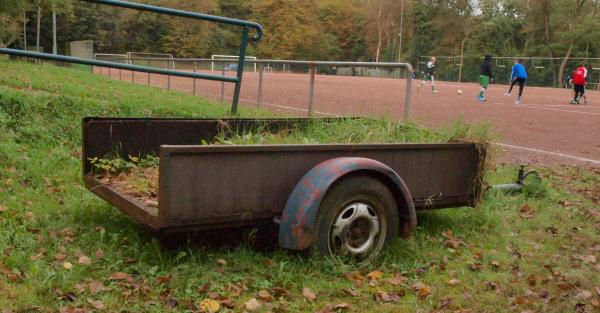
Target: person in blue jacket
{"points": [[519, 75]]}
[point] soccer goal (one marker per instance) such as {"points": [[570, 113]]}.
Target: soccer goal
{"points": [[152, 59], [112, 57], [221, 57]]}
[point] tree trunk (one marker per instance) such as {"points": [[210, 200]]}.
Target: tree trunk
{"points": [[379, 31], [24, 31], [39, 18], [563, 64]]}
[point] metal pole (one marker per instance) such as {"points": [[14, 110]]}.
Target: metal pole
{"points": [[223, 83], [240, 70], [148, 65], [401, 25], [193, 79], [408, 94], [311, 90], [109, 75], [460, 66], [133, 77], [54, 46], [120, 75], [169, 82], [24, 31], [261, 68]]}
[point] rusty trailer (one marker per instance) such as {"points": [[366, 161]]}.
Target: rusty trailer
{"points": [[338, 199]]}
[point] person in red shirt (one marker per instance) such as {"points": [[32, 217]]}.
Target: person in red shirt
{"points": [[579, 81]]}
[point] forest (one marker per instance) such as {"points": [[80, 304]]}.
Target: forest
{"points": [[347, 30]]}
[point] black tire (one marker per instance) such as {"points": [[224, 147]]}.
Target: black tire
{"points": [[352, 202]]}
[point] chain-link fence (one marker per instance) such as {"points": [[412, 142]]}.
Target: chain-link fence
{"points": [[541, 72]]}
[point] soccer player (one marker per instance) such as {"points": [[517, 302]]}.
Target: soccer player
{"points": [[429, 75], [519, 75], [485, 76], [579, 81]]}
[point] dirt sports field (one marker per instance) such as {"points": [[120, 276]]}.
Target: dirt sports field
{"points": [[544, 129]]}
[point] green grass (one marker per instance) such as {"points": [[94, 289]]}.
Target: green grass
{"points": [[48, 218]]}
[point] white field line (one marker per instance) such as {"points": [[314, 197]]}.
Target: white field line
{"points": [[562, 155], [559, 110]]}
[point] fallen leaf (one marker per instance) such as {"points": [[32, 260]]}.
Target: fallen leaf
{"points": [[375, 275], [519, 300], [595, 303], [99, 254], [84, 260], [252, 305], [526, 211], [265, 296], [3, 208], [597, 289], [532, 280], [396, 281], [60, 257], [564, 285], [423, 291], [453, 282], [96, 287], [222, 262], [67, 265], [163, 280], [97, 304], [210, 306], [342, 306], [495, 264], [355, 277], [583, 295], [384, 296], [119, 276], [308, 294]]}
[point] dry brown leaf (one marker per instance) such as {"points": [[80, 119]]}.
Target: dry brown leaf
{"points": [[564, 285], [252, 305], [519, 300], [265, 296], [384, 296], [84, 260], [3, 208], [99, 254], [423, 291], [222, 262], [67, 265], [396, 281], [119, 276], [453, 282], [60, 257], [583, 295], [595, 303], [532, 280], [342, 306], [355, 277], [375, 275], [526, 211], [308, 294], [96, 287], [597, 289], [97, 304], [163, 280]]}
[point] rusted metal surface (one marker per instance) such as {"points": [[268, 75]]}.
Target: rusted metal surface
{"points": [[202, 187], [297, 225]]}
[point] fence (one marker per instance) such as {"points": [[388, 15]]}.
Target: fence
{"points": [[541, 71], [391, 70]]}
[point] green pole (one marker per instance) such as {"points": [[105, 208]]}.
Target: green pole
{"points": [[240, 70]]}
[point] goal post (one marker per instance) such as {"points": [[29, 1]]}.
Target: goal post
{"points": [[113, 57], [168, 63], [235, 58]]}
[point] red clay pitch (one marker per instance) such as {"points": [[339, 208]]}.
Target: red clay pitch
{"points": [[543, 129]]}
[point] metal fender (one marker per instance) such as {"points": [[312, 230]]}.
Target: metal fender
{"points": [[297, 225]]}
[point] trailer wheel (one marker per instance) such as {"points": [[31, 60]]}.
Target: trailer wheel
{"points": [[357, 218]]}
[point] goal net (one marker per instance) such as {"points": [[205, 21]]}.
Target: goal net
{"points": [[164, 60], [218, 61], [112, 57]]}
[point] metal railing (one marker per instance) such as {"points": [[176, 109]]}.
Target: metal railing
{"points": [[246, 25], [312, 70]]}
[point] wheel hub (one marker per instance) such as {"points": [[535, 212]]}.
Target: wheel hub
{"points": [[354, 230]]}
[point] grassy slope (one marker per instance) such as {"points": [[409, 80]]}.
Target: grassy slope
{"points": [[48, 218]]}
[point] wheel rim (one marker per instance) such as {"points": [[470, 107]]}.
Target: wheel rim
{"points": [[355, 230]]}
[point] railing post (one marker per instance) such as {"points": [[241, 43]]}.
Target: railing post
{"points": [[169, 82], [223, 83], [148, 65], [408, 94], [120, 74], [240, 70], [193, 79], [109, 75], [261, 68], [133, 77], [311, 90]]}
